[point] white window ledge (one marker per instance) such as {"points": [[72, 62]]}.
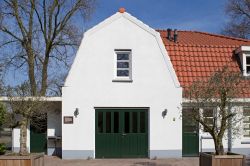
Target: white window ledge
{"points": [[122, 80], [206, 137], [245, 142]]}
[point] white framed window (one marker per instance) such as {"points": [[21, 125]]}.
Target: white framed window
{"points": [[246, 123], [123, 65], [247, 66], [244, 54], [208, 116]]}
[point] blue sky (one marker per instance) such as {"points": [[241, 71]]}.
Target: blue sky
{"points": [[201, 15]]}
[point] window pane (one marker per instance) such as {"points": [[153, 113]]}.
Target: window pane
{"points": [[246, 133], [142, 122], [246, 122], [246, 119], [208, 113], [246, 127], [134, 130], [122, 56], [116, 122], [189, 125], [122, 64], [209, 121], [246, 112], [123, 73], [248, 60], [248, 69], [100, 122], [108, 122], [127, 122]]}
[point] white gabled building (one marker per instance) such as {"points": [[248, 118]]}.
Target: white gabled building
{"points": [[122, 66], [123, 95]]}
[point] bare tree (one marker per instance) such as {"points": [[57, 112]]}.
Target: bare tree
{"points": [[39, 36], [219, 92], [24, 111], [239, 23]]}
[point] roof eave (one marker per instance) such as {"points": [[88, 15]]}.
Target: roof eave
{"points": [[242, 49], [47, 99]]}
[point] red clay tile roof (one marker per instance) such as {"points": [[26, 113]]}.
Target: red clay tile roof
{"points": [[197, 55]]}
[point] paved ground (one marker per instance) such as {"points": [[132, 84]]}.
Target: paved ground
{"points": [[54, 161]]}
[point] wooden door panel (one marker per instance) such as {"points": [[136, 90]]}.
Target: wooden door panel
{"points": [[121, 133], [38, 135]]}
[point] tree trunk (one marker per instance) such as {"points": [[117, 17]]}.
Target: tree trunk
{"points": [[31, 71], [23, 137], [45, 69], [44, 77], [219, 149]]}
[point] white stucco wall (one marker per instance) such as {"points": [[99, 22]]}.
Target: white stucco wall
{"points": [[16, 140], [54, 129], [54, 121], [89, 84]]}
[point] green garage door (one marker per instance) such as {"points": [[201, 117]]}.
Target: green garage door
{"points": [[121, 133]]}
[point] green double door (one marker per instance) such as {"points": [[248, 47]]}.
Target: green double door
{"points": [[190, 135], [121, 133]]}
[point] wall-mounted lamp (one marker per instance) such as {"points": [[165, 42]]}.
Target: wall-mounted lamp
{"points": [[76, 112], [164, 113]]}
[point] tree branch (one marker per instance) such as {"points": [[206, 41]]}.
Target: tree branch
{"points": [[11, 34], [18, 19]]}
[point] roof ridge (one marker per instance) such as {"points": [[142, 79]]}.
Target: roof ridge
{"points": [[211, 34], [201, 45], [223, 36]]}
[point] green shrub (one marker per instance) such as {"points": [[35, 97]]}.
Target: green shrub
{"points": [[2, 148], [3, 114]]}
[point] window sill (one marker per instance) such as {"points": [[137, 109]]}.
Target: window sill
{"points": [[122, 80], [246, 76], [245, 141], [206, 137]]}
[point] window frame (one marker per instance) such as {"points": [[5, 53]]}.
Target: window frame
{"points": [[244, 123], [247, 55], [210, 117], [123, 78]]}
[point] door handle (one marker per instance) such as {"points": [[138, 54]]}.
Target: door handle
{"points": [[123, 134]]}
